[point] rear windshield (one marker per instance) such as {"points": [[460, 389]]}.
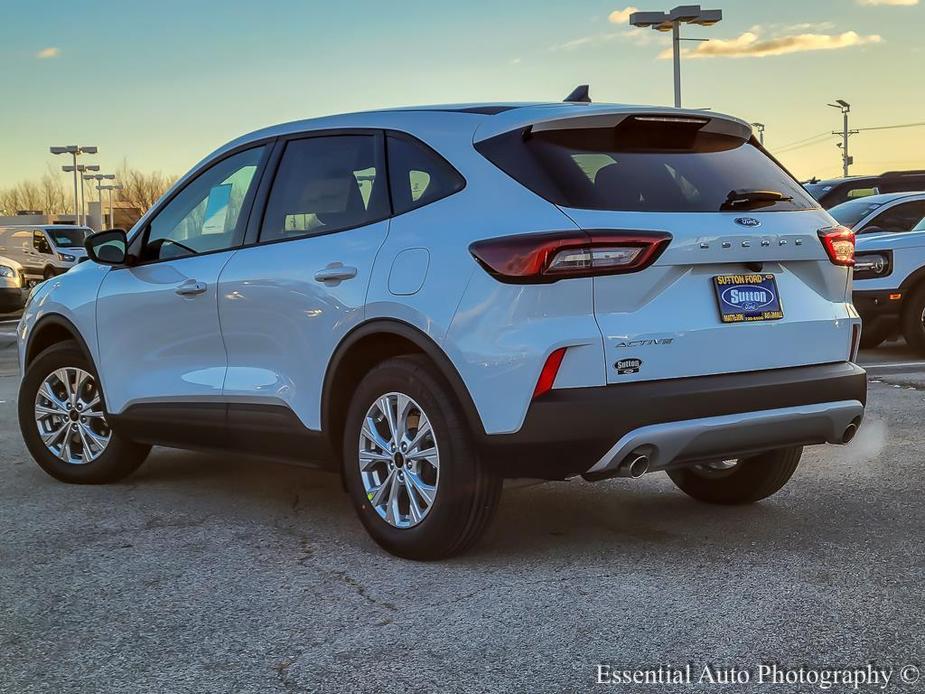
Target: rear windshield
{"points": [[850, 213], [643, 166], [67, 238]]}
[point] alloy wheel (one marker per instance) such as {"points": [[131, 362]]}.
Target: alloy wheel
{"points": [[399, 460], [69, 416]]}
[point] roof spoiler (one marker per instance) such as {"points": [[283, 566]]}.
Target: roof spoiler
{"points": [[579, 95]]}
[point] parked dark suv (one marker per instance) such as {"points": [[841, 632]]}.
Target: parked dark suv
{"points": [[834, 191]]}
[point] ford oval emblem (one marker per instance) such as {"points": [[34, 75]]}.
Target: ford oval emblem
{"points": [[747, 221], [748, 297]]}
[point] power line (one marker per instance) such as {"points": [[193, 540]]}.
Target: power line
{"points": [[818, 140], [891, 127], [806, 139]]}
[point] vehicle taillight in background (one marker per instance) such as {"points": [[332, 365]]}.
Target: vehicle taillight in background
{"points": [[544, 258], [839, 244]]}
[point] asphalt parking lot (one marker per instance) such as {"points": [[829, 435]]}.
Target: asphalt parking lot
{"points": [[207, 573]]}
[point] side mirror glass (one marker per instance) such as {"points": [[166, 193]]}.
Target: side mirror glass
{"points": [[108, 247]]}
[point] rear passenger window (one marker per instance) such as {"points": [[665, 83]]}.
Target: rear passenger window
{"points": [[418, 174], [326, 184]]}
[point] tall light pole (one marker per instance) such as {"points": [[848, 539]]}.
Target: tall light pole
{"points": [[110, 188], [99, 178], [75, 151], [845, 109], [79, 169], [760, 128], [672, 21]]}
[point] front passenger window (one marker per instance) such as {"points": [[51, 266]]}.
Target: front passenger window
{"points": [[206, 215], [40, 243]]}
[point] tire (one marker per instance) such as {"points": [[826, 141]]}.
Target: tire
{"points": [[913, 328], [873, 337], [91, 462], [464, 493], [49, 273], [749, 480]]}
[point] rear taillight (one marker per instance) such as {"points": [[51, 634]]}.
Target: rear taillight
{"points": [[541, 258], [839, 244]]}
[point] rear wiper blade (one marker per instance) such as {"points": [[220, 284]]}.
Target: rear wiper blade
{"points": [[753, 198]]}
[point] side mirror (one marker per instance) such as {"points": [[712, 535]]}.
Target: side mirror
{"points": [[108, 247]]}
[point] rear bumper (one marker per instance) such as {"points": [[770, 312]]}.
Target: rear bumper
{"points": [[570, 431]]}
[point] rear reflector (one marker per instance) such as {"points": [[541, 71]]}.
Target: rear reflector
{"points": [[839, 244], [543, 258], [549, 372]]}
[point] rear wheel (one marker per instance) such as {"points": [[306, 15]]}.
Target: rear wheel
{"points": [[410, 467], [913, 319], [741, 480], [62, 416]]}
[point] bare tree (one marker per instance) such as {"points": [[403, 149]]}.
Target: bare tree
{"points": [[142, 189]]}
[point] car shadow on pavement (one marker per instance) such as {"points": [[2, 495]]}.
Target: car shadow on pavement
{"points": [[574, 516]]}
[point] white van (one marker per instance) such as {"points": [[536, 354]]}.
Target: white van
{"points": [[44, 251]]}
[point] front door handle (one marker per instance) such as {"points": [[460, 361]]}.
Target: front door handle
{"points": [[191, 288], [336, 272]]}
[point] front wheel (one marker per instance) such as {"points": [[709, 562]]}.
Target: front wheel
{"points": [[738, 481], [62, 416], [410, 467], [913, 319]]}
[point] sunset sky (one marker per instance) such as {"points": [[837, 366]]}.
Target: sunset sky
{"points": [[161, 84]]}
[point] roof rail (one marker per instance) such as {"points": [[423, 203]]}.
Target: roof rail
{"points": [[579, 95], [911, 172]]}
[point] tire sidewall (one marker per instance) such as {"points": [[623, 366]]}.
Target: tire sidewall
{"points": [[457, 474], [117, 460]]}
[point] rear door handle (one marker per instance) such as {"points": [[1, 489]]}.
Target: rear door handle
{"points": [[191, 288], [335, 272]]}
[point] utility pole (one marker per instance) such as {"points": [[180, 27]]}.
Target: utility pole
{"points": [[671, 21], [845, 109], [760, 128]]}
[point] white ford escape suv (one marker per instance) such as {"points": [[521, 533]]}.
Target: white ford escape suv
{"points": [[432, 299]]}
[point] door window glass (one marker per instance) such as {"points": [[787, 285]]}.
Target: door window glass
{"points": [[418, 175], [206, 215], [326, 184], [902, 217], [40, 243]]}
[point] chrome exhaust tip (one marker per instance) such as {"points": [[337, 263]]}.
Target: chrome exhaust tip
{"points": [[635, 465], [850, 431]]}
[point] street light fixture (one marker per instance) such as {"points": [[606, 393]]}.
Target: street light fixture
{"points": [[75, 151], [845, 109], [99, 178], [110, 188], [760, 128], [671, 21]]}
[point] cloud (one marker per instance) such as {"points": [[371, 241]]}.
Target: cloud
{"points": [[591, 40], [50, 52], [622, 16], [895, 3], [750, 45]]}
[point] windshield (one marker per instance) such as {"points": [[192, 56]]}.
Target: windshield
{"points": [[67, 238], [646, 166], [850, 213]]}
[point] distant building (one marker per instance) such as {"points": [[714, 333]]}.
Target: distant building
{"points": [[36, 217]]}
